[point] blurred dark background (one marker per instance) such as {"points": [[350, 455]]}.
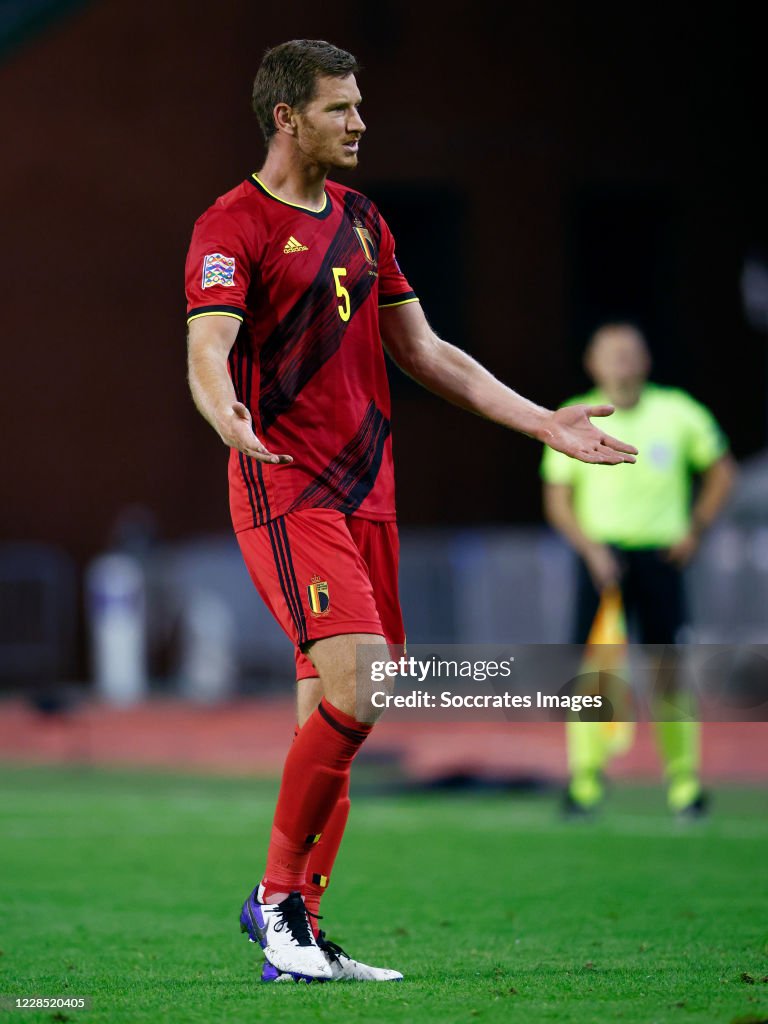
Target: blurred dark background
{"points": [[542, 169]]}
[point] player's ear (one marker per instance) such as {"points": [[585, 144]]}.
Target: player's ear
{"points": [[284, 119], [588, 362]]}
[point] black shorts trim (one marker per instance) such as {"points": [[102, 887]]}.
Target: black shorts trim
{"points": [[286, 575]]}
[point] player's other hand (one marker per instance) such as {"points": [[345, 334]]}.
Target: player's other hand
{"points": [[680, 554], [570, 430], [603, 566], [235, 429]]}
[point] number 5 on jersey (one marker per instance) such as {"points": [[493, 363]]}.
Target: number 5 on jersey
{"points": [[344, 306]]}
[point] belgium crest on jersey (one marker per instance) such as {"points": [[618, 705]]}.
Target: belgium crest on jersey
{"points": [[319, 599], [363, 236]]}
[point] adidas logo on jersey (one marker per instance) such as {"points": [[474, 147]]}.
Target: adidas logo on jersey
{"points": [[294, 245]]}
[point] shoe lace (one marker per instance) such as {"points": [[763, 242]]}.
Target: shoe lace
{"points": [[331, 948], [293, 916]]}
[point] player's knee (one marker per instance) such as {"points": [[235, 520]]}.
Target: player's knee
{"points": [[352, 690], [372, 697], [346, 668]]}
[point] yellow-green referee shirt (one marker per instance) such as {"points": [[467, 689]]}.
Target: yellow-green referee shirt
{"points": [[646, 504]]}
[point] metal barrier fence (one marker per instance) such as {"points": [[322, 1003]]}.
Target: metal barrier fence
{"points": [[199, 626]]}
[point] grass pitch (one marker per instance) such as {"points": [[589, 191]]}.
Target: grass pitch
{"points": [[127, 887]]}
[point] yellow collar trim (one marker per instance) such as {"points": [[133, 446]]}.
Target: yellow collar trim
{"points": [[296, 206]]}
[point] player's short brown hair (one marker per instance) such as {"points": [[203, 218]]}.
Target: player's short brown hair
{"points": [[288, 74]]}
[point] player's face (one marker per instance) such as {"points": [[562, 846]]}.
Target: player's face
{"points": [[329, 128], [618, 358]]}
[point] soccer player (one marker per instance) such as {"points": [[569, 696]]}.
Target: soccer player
{"points": [[292, 286], [635, 532]]}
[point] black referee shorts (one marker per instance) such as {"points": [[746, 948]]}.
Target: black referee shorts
{"points": [[652, 591]]}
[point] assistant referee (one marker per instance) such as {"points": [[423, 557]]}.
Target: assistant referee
{"points": [[639, 529]]}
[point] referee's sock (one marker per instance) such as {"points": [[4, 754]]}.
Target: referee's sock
{"points": [[678, 738], [680, 748], [586, 758], [315, 775]]}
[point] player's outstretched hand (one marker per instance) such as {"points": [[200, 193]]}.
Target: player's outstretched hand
{"points": [[569, 430], [236, 431]]}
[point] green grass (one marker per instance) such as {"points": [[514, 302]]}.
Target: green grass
{"points": [[126, 888]]}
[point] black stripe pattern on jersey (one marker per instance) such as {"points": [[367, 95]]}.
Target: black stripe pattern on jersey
{"points": [[312, 331], [241, 370], [349, 477]]}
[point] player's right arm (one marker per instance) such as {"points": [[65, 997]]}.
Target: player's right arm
{"points": [[559, 512], [209, 343]]}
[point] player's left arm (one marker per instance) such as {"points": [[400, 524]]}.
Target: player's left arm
{"points": [[717, 483], [449, 372]]}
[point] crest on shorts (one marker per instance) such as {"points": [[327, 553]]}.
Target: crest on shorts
{"points": [[319, 599], [363, 236], [218, 269]]}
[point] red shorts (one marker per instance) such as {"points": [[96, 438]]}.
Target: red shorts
{"points": [[322, 573]]}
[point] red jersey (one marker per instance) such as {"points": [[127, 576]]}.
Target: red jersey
{"points": [[308, 361]]}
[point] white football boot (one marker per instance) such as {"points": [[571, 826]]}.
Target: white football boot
{"points": [[283, 932], [343, 967]]}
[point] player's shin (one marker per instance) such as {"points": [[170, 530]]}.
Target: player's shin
{"points": [[315, 775], [323, 858]]}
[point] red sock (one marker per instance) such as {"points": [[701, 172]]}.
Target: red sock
{"points": [[315, 775], [323, 856]]}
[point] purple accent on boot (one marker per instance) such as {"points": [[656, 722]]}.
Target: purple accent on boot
{"points": [[252, 919], [270, 973]]}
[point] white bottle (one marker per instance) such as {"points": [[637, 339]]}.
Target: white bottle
{"points": [[116, 608], [208, 668]]}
